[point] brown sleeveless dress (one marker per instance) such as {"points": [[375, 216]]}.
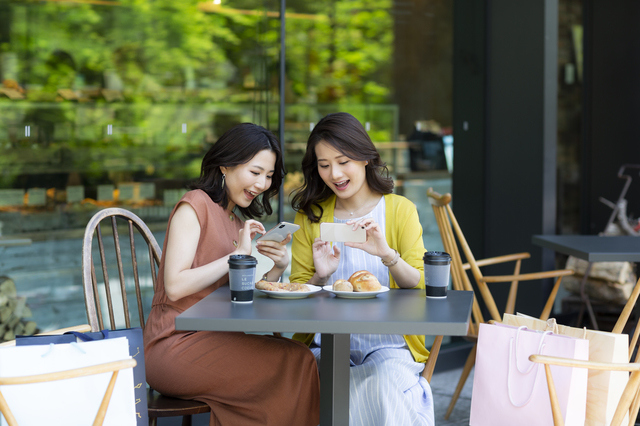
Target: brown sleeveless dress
{"points": [[246, 379]]}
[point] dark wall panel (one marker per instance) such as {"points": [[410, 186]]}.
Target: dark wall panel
{"points": [[521, 133], [504, 175], [469, 76], [612, 110]]}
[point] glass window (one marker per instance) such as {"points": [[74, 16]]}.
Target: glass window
{"points": [[390, 65], [113, 103]]}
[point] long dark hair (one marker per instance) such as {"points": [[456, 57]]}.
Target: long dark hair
{"points": [[237, 146], [346, 134]]}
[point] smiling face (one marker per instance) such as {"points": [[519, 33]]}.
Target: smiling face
{"points": [[245, 182], [345, 176]]}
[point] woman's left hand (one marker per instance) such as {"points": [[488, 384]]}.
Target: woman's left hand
{"points": [[376, 243], [276, 251]]}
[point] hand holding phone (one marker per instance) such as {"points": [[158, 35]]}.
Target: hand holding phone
{"points": [[280, 231], [342, 232]]}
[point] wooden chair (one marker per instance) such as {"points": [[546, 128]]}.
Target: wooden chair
{"points": [[158, 405], [430, 365], [454, 241], [113, 367], [629, 402]]}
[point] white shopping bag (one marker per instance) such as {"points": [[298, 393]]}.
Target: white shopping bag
{"points": [[604, 388], [67, 402]]}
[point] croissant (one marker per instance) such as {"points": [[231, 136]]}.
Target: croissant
{"points": [[364, 281]]}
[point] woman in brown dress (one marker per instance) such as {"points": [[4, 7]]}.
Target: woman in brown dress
{"points": [[246, 379]]}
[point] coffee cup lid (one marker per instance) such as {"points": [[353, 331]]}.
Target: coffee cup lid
{"points": [[436, 258], [242, 260]]}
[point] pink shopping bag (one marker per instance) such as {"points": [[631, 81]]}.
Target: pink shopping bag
{"points": [[510, 390]]}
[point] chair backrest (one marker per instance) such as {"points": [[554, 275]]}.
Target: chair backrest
{"points": [[631, 394], [113, 367], [158, 405], [629, 402], [453, 239], [92, 287], [623, 319]]}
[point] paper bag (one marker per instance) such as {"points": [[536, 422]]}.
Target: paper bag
{"points": [[136, 350], [509, 390], [67, 402], [604, 388]]}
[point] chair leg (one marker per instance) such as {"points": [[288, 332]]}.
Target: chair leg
{"points": [[468, 365], [186, 420]]}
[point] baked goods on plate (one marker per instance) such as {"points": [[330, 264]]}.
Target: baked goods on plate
{"points": [[355, 294], [273, 286], [364, 281], [360, 281], [286, 290], [360, 285], [342, 285]]}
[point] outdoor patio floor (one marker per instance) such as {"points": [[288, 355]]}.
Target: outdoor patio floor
{"points": [[442, 385]]}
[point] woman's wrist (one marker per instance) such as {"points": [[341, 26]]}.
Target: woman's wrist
{"points": [[274, 275], [391, 259], [317, 280]]}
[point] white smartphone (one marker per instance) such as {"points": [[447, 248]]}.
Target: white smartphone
{"points": [[341, 232], [280, 231]]}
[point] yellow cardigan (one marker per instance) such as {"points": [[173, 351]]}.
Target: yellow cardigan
{"points": [[403, 232]]}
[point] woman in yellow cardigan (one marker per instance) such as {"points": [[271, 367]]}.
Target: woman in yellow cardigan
{"points": [[346, 181]]}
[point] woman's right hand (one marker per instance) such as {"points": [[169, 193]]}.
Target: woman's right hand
{"points": [[249, 230], [325, 258]]}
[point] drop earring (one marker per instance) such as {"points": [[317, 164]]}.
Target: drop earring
{"points": [[223, 176]]}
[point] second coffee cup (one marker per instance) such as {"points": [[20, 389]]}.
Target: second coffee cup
{"points": [[436, 273], [242, 274]]}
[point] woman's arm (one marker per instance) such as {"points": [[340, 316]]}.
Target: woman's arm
{"points": [[406, 232], [180, 279], [302, 267], [405, 275]]}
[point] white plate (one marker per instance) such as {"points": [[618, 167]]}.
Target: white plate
{"points": [[355, 294], [291, 294]]}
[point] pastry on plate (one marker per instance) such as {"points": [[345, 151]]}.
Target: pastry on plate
{"points": [[273, 286], [364, 281]]}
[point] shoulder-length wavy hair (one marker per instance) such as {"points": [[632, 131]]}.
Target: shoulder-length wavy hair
{"points": [[347, 135], [237, 146]]}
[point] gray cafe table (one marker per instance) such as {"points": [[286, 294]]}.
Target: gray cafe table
{"points": [[592, 248], [394, 312]]}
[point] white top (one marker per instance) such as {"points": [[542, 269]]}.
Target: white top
{"points": [[353, 260]]}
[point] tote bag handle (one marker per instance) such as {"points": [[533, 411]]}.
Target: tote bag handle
{"points": [[513, 355]]}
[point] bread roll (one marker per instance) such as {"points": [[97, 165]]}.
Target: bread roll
{"points": [[342, 285], [364, 281]]}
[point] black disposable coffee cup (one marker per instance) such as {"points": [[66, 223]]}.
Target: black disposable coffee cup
{"points": [[436, 273], [242, 274]]}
